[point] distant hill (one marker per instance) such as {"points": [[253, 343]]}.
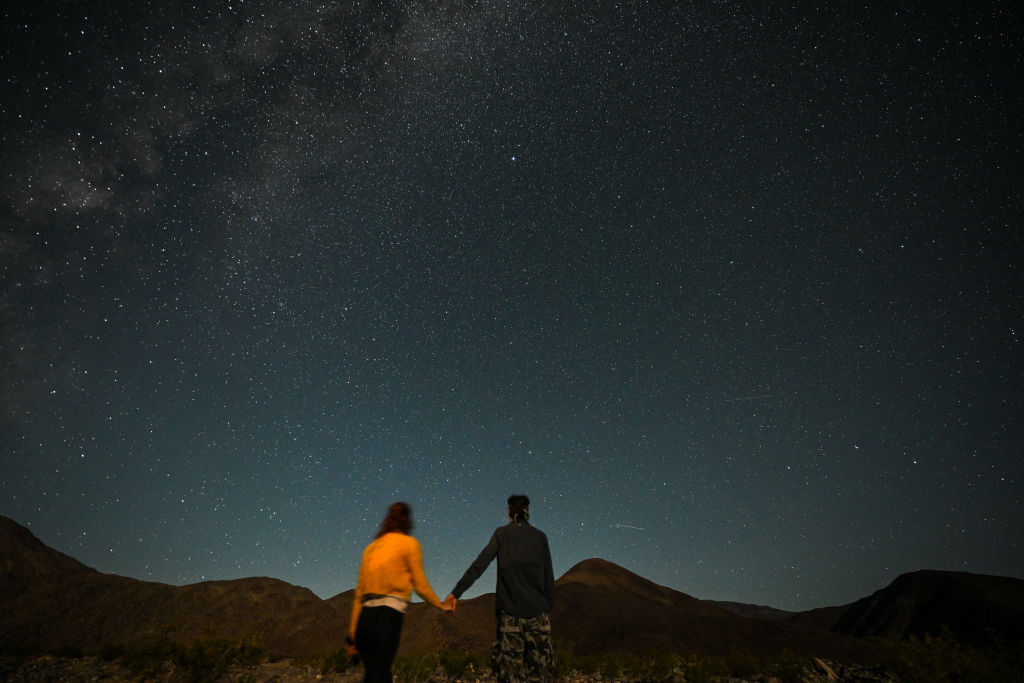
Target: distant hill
{"points": [[970, 607], [24, 560], [91, 611], [51, 601], [602, 607], [818, 619], [756, 611]]}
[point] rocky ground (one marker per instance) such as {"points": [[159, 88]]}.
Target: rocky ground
{"points": [[88, 669]]}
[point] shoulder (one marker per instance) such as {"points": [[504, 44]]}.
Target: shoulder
{"points": [[393, 543], [405, 541], [535, 532], [524, 530]]}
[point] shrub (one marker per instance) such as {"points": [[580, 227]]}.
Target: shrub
{"points": [[336, 662], [109, 653], [414, 668], [204, 660], [739, 664], [941, 659], [462, 664], [68, 652]]}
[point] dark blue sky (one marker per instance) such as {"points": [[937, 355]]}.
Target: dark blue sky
{"points": [[732, 293]]}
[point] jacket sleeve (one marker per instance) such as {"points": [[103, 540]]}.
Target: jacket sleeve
{"points": [[478, 567], [357, 601], [549, 573], [419, 578]]}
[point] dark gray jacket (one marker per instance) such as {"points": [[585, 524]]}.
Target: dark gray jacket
{"points": [[526, 581]]}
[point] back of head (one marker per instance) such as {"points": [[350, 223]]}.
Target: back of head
{"points": [[399, 518], [518, 508]]}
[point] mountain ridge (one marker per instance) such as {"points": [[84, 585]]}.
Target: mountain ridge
{"points": [[53, 601], [930, 602]]}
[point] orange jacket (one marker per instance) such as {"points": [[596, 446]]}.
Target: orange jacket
{"points": [[392, 565]]}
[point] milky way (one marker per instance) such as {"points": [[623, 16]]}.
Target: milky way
{"points": [[732, 293]]}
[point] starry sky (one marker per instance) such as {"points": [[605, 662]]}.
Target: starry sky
{"points": [[731, 290]]}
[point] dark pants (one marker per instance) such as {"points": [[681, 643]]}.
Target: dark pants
{"points": [[377, 635]]}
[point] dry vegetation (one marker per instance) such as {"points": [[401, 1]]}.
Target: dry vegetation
{"points": [[209, 660]]}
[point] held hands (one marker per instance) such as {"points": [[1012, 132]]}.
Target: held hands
{"points": [[350, 649], [449, 604]]}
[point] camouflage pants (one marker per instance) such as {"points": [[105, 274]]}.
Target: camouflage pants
{"points": [[522, 650]]}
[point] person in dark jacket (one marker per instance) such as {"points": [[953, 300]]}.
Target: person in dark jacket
{"points": [[525, 594]]}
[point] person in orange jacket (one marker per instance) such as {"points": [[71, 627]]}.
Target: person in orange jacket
{"points": [[391, 568]]}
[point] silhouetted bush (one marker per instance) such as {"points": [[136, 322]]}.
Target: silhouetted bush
{"points": [[462, 664], [204, 660], [109, 653], [941, 659], [336, 662], [450, 663], [68, 652], [414, 668], [694, 668]]}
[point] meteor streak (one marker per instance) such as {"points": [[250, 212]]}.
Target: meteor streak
{"points": [[748, 398]]}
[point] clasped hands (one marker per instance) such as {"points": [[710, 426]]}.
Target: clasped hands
{"points": [[449, 604]]}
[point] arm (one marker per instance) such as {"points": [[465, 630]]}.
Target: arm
{"points": [[357, 601], [478, 567], [419, 578], [549, 573]]}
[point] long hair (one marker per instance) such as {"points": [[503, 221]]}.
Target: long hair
{"points": [[399, 518], [519, 508]]}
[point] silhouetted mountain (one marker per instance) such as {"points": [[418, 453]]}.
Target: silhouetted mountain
{"points": [[25, 560], [756, 611], [818, 619], [602, 607], [427, 629], [90, 611], [52, 601], [470, 629], [971, 607]]}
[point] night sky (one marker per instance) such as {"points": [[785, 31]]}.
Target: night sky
{"points": [[733, 292]]}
